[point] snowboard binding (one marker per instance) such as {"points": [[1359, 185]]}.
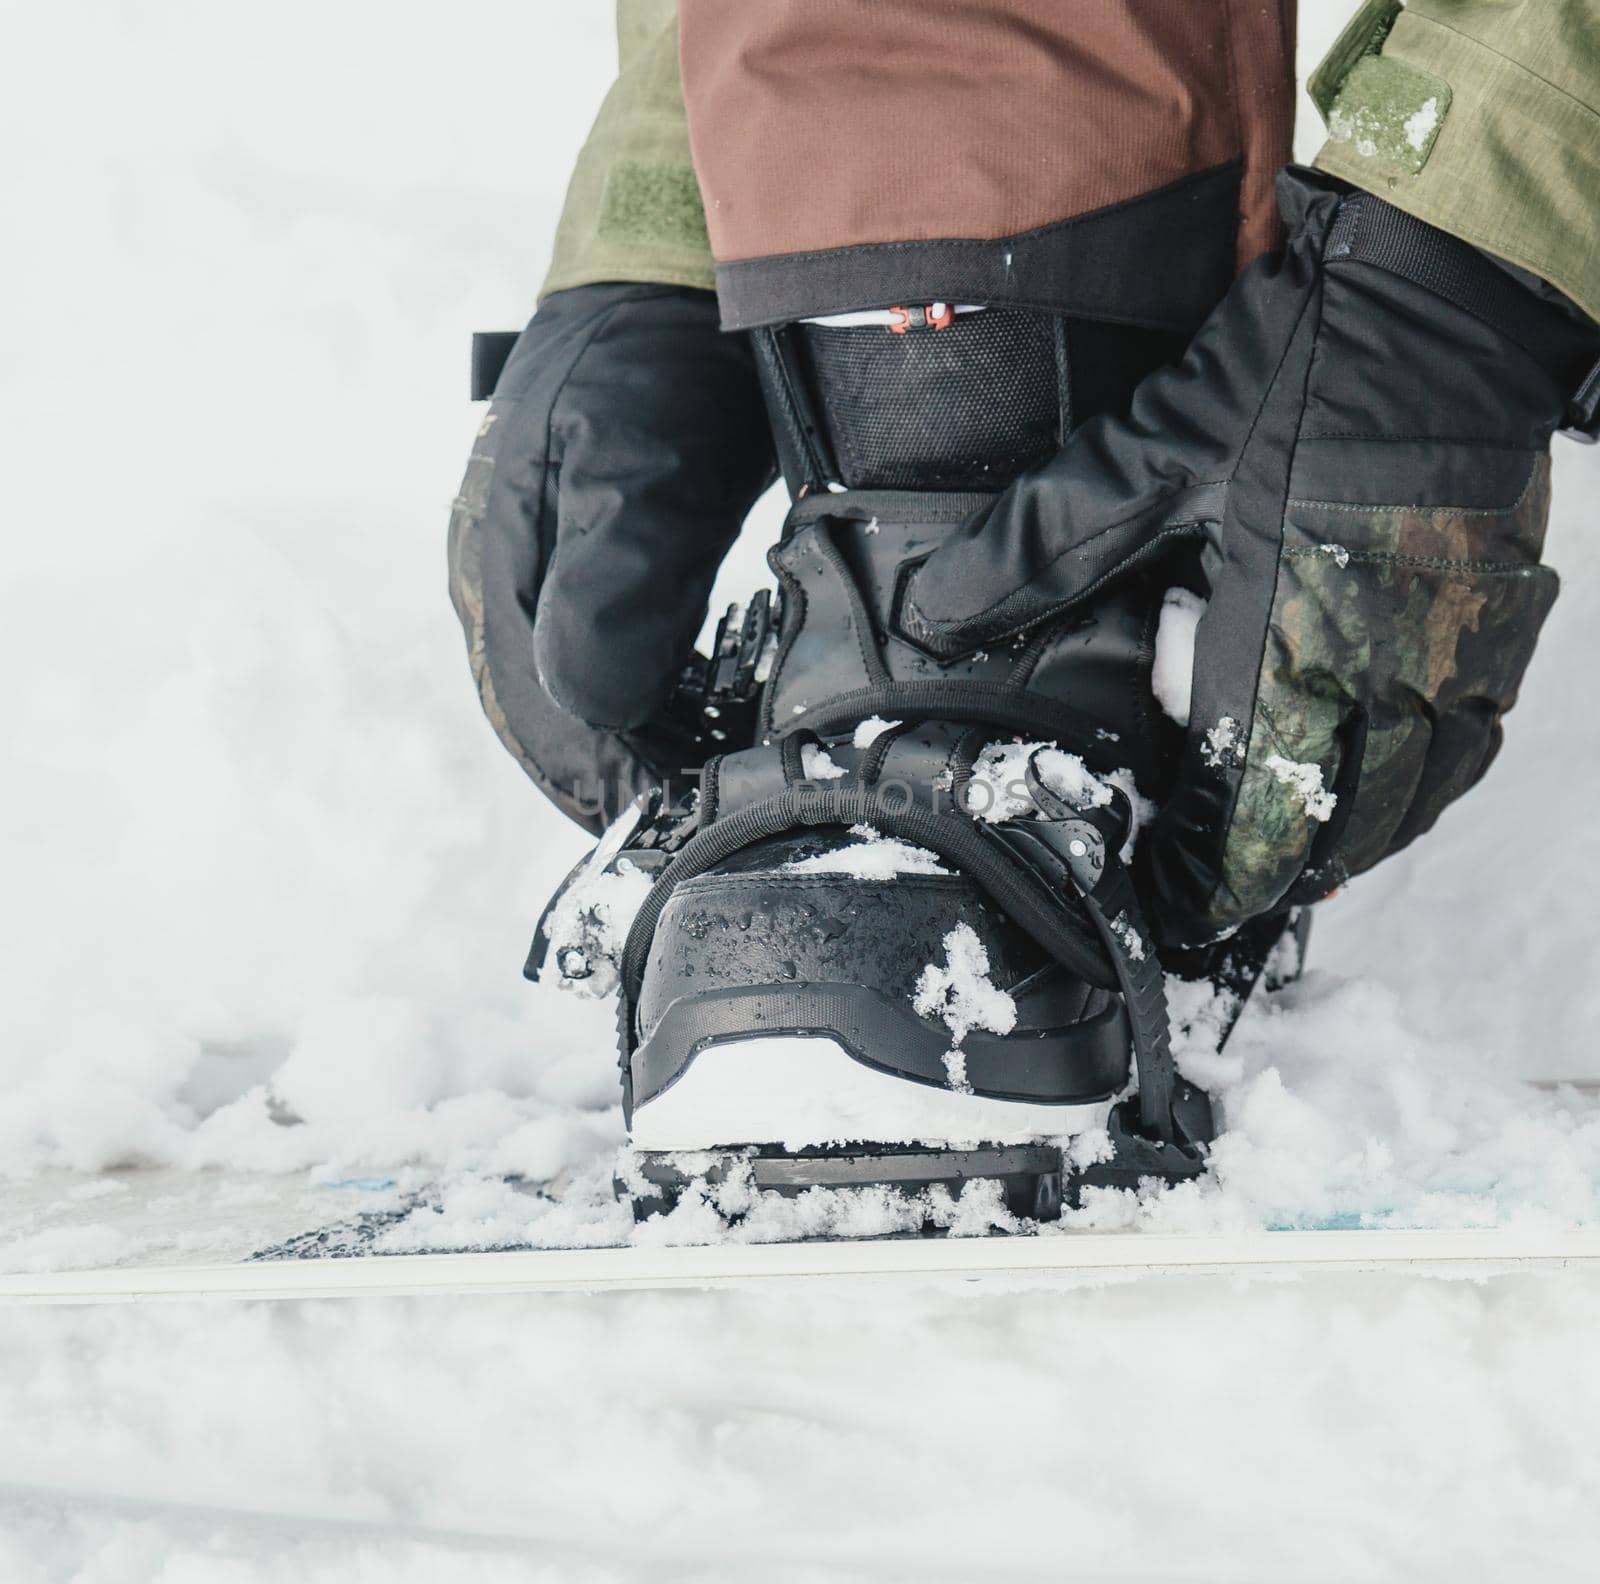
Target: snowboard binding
{"points": [[773, 1006], [892, 940]]}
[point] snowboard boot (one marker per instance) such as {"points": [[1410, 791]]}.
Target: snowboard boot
{"points": [[892, 939]]}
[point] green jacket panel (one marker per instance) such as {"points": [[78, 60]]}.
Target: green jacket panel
{"points": [[1481, 117], [633, 210]]}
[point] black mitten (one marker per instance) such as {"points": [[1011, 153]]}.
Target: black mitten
{"points": [[626, 442], [1351, 465]]}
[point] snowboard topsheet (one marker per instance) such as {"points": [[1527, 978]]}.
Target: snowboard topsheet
{"points": [[142, 1235]]}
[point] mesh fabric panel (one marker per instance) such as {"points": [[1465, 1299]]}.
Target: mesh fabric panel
{"points": [[968, 407]]}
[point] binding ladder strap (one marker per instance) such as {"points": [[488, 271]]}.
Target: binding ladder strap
{"points": [[1088, 844]]}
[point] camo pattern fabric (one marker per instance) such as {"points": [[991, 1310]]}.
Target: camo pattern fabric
{"points": [[1398, 634]]}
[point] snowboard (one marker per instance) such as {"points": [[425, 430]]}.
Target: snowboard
{"points": [[139, 1236]]}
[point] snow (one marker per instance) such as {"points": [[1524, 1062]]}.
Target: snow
{"points": [[816, 764], [1422, 125], [1404, 1129], [960, 992], [872, 856], [1367, 129], [1224, 743], [269, 879], [724, 1436], [589, 926], [1305, 781], [867, 732], [1172, 675], [1285, 960], [1132, 941], [998, 788]]}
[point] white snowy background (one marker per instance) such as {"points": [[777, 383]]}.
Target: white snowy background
{"points": [[260, 854]]}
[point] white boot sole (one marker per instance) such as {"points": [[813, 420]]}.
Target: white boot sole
{"points": [[809, 1093]]}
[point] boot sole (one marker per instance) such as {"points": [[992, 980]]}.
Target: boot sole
{"points": [[808, 1092]]}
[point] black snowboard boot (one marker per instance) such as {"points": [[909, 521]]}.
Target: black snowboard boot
{"points": [[892, 938]]}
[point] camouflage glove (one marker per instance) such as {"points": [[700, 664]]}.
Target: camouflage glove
{"points": [[1351, 466], [626, 441]]}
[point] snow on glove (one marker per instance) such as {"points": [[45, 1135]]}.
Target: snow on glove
{"points": [[626, 442], [1351, 464]]}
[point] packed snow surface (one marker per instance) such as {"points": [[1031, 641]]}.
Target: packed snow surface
{"points": [[268, 883]]}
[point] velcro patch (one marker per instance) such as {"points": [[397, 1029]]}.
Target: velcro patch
{"points": [[1365, 34], [653, 203], [1389, 113]]}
